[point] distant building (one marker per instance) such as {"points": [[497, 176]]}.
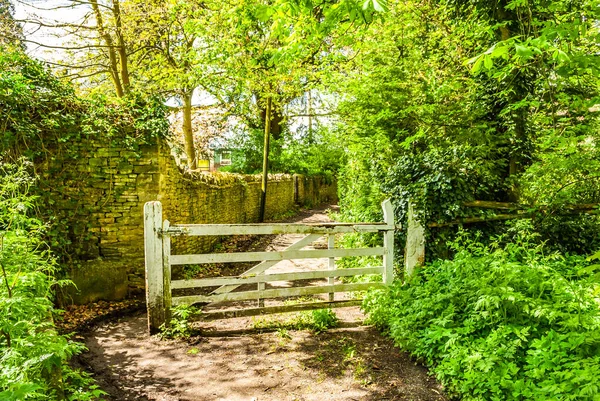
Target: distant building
{"points": [[221, 157], [211, 128]]}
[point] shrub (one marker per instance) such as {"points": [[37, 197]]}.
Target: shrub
{"points": [[33, 356], [500, 322], [179, 326]]}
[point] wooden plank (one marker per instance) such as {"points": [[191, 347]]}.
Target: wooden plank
{"points": [[153, 249], [331, 279], [267, 278], [471, 220], [166, 240], [232, 313], [515, 206], [278, 228], [276, 255], [275, 293], [263, 266], [260, 287], [493, 205], [388, 242]]}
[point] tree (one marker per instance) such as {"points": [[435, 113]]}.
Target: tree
{"points": [[157, 38], [439, 109], [11, 32], [271, 53]]}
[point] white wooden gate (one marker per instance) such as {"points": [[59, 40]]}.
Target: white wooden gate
{"points": [[159, 259]]}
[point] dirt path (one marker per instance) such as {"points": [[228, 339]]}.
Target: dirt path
{"points": [[350, 363]]}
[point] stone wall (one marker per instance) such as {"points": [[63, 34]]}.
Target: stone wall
{"points": [[101, 200]]}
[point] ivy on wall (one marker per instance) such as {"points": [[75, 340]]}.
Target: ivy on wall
{"points": [[44, 121]]}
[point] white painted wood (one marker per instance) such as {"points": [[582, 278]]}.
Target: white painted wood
{"points": [[153, 249], [263, 266], [275, 293], [231, 313], [331, 280], [267, 278], [260, 287], [276, 255], [281, 228], [166, 240], [388, 242], [414, 252]]}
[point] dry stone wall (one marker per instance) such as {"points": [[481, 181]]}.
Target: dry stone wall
{"points": [[101, 199]]}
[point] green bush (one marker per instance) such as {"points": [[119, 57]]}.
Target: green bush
{"points": [[179, 326], [323, 319], [318, 321], [33, 356], [501, 322]]}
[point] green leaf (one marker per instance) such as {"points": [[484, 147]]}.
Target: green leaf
{"points": [[595, 256], [523, 51], [589, 269], [488, 62], [560, 56], [477, 66], [500, 51]]}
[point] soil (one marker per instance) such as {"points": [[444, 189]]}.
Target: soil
{"points": [[234, 359]]}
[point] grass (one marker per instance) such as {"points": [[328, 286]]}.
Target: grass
{"points": [[318, 321]]}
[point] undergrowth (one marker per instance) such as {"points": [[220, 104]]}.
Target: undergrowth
{"points": [[179, 325], [500, 322], [318, 321], [34, 358]]}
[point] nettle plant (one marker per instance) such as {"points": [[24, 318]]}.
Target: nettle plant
{"points": [[33, 356]]}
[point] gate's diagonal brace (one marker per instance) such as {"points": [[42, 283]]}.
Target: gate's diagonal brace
{"points": [[261, 267]]}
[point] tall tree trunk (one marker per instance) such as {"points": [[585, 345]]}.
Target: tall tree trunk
{"points": [[265, 174], [121, 47], [188, 135], [518, 117], [112, 55], [276, 119]]}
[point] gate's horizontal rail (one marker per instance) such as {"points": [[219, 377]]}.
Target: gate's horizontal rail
{"points": [[274, 293], [261, 267], [267, 278], [281, 255], [280, 228], [230, 313]]}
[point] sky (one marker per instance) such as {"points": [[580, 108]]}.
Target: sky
{"points": [[62, 11]]}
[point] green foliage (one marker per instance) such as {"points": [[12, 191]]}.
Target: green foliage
{"points": [[316, 154], [518, 122], [353, 241], [44, 117], [179, 325], [33, 356], [500, 322], [47, 123], [318, 321], [323, 319]]}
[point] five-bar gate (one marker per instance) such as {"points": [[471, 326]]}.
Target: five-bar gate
{"points": [[159, 260]]}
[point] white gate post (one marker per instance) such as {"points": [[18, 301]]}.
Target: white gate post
{"points": [[414, 252], [388, 242], [153, 249]]}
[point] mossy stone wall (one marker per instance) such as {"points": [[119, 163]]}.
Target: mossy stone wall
{"points": [[100, 200]]}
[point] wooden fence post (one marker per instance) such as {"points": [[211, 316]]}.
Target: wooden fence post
{"points": [[153, 248], [388, 242], [414, 252], [331, 280]]}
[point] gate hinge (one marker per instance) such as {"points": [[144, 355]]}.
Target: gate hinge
{"points": [[172, 231]]}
